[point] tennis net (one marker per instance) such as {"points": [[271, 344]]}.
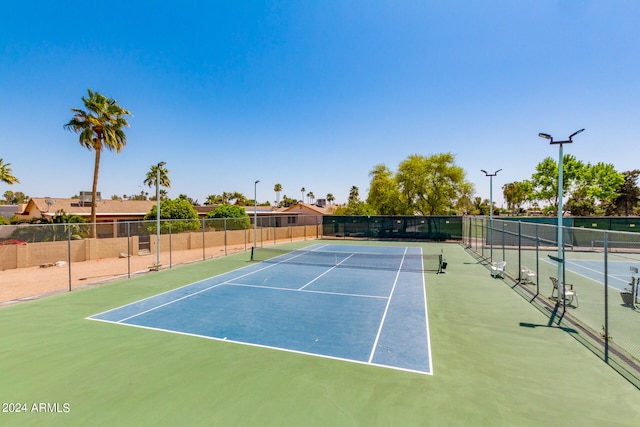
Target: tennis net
{"points": [[376, 261]]}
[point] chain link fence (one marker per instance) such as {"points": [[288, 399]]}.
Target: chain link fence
{"points": [[597, 297], [42, 259]]}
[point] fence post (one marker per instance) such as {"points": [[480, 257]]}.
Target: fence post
{"points": [[503, 242], [519, 250], [482, 229], [170, 248], [69, 253], [606, 296], [537, 261], [128, 249]]}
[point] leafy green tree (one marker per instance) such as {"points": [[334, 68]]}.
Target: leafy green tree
{"points": [[384, 194], [601, 183], [432, 185], [628, 196], [16, 198], [237, 217], [152, 178], [100, 126], [480, 206], [544, 181], [515, 194], [580, 204], [355, 208], [176, 209], [6, 175]]}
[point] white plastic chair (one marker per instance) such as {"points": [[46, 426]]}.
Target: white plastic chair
{"points": [[526, 275], [497, 269]]}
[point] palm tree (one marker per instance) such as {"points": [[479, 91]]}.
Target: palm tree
{"points": [[311, 196], [152, 177], [6, 175], [302, 190], [330, 198], [239, 199], [354, 194], [277, 188], [212, 199], [99, 127]]}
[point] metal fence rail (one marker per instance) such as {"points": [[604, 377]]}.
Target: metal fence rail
{"points": [[600, 270], [41, 259]]}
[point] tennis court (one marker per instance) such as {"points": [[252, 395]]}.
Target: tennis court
{"points": [[618, 273], [355, 303]]}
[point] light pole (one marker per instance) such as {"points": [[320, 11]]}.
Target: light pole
{"points": [[255, 212], [491, 175], [560, 191], [158, 166]]}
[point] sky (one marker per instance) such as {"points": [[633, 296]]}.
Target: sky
{"points": [[314, 94]]}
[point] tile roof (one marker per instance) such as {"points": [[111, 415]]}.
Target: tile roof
{"points": [[103, 207]]}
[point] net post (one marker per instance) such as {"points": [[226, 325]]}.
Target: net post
{"points": [[252, 248]]}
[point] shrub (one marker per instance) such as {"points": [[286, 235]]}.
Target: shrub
{"points": [[237, 217], [177, 209]]}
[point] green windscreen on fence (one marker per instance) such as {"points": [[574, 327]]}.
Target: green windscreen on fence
{"points": [[393, 227]]}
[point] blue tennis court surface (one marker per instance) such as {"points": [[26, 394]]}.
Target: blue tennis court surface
{"points": [[618, 272], [374, 315]]}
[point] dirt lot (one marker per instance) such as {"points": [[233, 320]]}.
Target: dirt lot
{"points": [[34, 282]]}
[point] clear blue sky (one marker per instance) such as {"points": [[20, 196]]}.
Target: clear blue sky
{"points": [[314, 94]]}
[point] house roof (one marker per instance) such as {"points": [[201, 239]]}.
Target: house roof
{"points": [[308, 209], [38, 206], [75, 207]]}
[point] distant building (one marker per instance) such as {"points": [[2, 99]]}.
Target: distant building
{"points": [[106, 210]]}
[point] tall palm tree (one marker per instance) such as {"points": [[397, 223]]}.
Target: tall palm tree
{"points": [[99, 127], [354, 194], [311, 196], [6, 175], [152, 177], [302, 190], [277, 188], [330, 198]]}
